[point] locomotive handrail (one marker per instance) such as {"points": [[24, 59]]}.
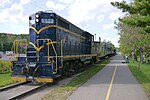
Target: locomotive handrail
{"points": [[61, 54], [15, 45], [49, 11], [49, 43], [54, 26], [56, 57], [48, 51]]}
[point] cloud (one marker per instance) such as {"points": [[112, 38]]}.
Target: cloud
{"points": [[14, 14], [53, 6], [14, 18], [114, 16], [100, 18], [90, 14], [11, 14], [50, 4], [66, 1], [82, 10], [102, 36], [108, 26], [105, 36], [114, 39], [23, 2], [4, 2]]}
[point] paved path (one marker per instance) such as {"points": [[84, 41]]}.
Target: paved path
{"points": [[113, 82]]}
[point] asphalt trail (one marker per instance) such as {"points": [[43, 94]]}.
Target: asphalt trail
{"points": [[113, 82]]}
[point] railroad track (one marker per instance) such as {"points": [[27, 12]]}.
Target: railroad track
{"points": [[20, 90], [11, 86]]}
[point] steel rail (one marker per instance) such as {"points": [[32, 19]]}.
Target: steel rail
{"points": [[30, 92], [12, 86]]}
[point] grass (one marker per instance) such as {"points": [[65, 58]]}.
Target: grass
{"points": [[62, 93], [5, 79], [142, 75]]}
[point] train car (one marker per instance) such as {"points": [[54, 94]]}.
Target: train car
{"points": [[56, 47], [102, 49]]}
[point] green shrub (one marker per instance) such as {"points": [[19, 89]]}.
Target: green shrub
{"points": [[5, 66]]}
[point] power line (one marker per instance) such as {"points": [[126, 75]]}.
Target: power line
{"points": [[37, 4]]}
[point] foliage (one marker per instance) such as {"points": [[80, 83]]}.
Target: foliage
{"points": [[139, 14], [131, 40], [6, 40], [5, 66], [134, 27]]}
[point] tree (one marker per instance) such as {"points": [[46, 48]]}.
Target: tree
{"points": [[6, 40], [131, 40], [134, 27], [139, 14]]}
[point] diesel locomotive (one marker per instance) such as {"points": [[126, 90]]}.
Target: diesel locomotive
{"points": [[56, 47]]}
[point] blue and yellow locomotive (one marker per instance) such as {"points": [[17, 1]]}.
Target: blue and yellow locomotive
{"points": [[56, 47]]}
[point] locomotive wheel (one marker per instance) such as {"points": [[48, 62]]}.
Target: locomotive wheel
{"points": [[71, 68], [92, 61], [76, 66], [81, 65], [66, 69]]}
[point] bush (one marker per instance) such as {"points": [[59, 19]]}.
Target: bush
{"points": [[5, 66]]}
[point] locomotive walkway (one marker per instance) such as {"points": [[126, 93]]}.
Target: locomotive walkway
{"points": [[113, 82]]}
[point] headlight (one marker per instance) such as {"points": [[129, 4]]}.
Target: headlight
{"points": [[37, 20], [37, 16]]}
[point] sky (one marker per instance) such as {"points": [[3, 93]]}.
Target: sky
{"points": [[94, 16]]}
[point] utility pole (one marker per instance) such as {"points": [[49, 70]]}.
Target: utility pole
{"points": [[2, 46]]}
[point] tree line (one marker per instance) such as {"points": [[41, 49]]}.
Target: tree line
{"points": [[6, 40], [134, 28]]}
